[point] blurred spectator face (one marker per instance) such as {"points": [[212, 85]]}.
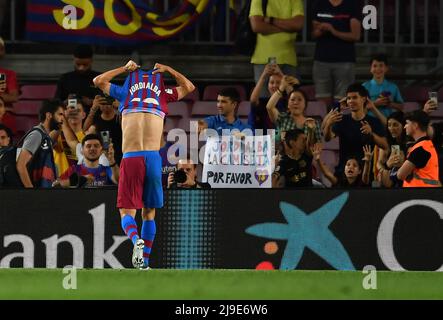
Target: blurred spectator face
{"points": [[225, 105], [92, 149], [355, 101], [296, 103], [5, 140], [189, 167], [274, 83], [352, 168], [106, 108], [299, 144], [82, 65], [395, 128], [77, 113], [410, 128], [56, 119], [379, 69], [2, 108]]}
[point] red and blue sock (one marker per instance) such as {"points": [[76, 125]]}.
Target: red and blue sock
{"points": [[148, 234], [130, 227]]}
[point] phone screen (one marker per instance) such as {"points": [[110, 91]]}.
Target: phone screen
{"points": [[105, 138], [395, 149], [72, 103]]}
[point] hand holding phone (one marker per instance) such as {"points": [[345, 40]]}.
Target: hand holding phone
{"points": [[433, 96]]}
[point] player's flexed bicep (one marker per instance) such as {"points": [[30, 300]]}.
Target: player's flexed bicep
{"points": [[103, 81], [185, 86]]}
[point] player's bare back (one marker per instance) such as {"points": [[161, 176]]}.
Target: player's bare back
{"points": [[141, 131]]}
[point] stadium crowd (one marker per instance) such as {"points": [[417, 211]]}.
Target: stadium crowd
{"points": [[348, 134]]}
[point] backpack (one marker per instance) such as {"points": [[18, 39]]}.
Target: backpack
{"points": [[245, 38], [9, 176]]}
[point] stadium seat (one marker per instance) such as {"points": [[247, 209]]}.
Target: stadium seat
{"points": [[316, 109], [37, 92], [211, 91], [193, 96], [178, 109], [25, 123], [438, 113], [26, 107], [309, 91], [243, 109], [416, 93], [410, 106], [204, 108], [330, 159]]}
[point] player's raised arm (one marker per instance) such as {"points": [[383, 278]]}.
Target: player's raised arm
{"points": [[185, 86], [103, 81]]}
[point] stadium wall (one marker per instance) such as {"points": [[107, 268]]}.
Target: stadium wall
{"points": [[239, 229]]}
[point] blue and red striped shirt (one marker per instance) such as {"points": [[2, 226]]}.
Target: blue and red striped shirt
{"points": [[144, 92]]}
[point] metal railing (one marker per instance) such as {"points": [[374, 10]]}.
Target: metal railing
{"points": [[405, 23]]}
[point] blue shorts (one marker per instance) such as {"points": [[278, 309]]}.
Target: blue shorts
{"points": [[140, 182]]}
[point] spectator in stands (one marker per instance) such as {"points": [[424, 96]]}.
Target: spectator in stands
{"points": [[8, 82], [106, 121], [354, 130], [90, 173], [435, 132], [35, 164], [336, 26], [391, 159], [228, 101], [79, 81], [294, 168], [353, 175], [7, 118], [385, 94], [64, 155], [5, 136], [258, 116], [421, 166], [276, 34], [294, 118], [185, 177]]}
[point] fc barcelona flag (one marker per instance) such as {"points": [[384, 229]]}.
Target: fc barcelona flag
{"points": [[109, 22]]}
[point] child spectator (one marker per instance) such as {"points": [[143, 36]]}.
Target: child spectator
{"points": [[294, 169], [385, 94], [353, 175]]}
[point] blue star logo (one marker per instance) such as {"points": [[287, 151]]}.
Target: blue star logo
{"points": [[311, 231]]}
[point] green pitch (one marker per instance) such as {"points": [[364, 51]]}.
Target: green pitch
{"points": [[216, 284]]}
